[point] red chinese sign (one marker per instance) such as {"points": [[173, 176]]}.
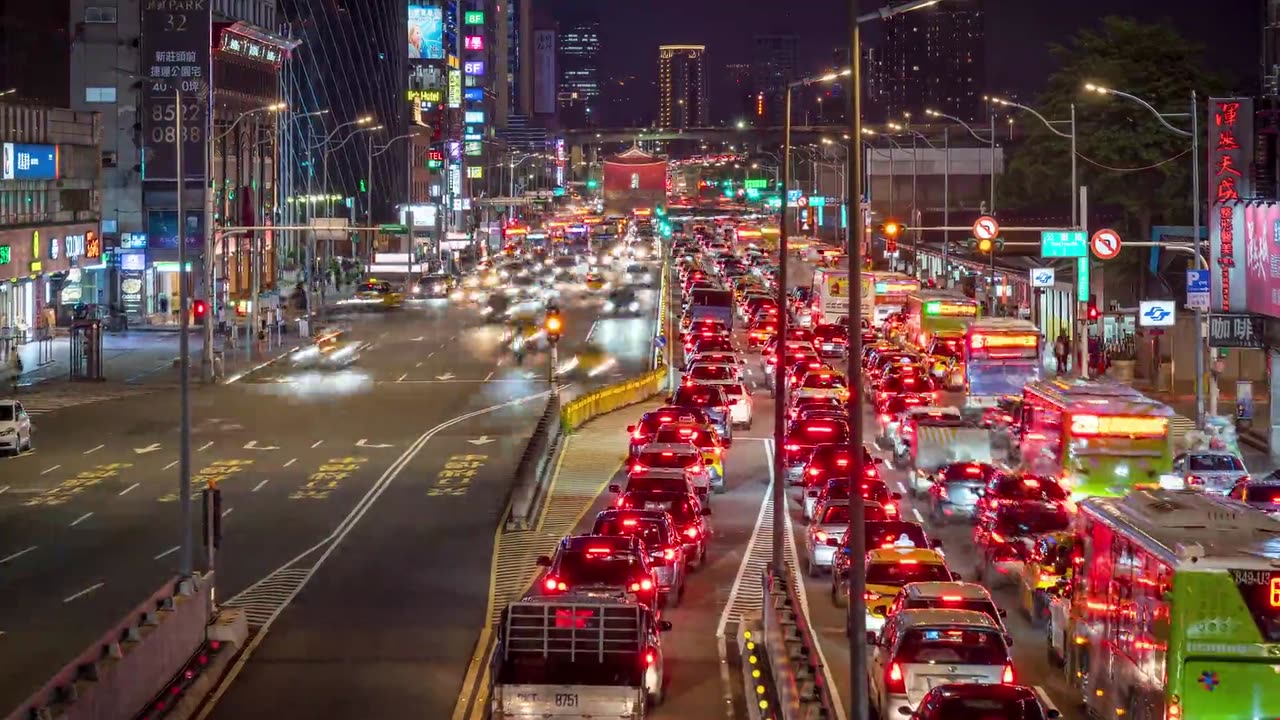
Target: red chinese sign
{"points": [[1230, 145]]}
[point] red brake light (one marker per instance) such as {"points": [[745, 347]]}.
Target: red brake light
{"points": [[554, 585], [820, 536], [667, 453], [908, 561], [842, 462], [598, 551], [952, 598], [1029, 482], [669, 554], [650, 658], [791, 446], [638, 468], [814, 472], [973, 470], [997, 537], [893, 680], [692, 533], [629, 523], [1007, 677]]}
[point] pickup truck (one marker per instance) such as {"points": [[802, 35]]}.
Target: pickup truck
{"points": [[712, 303], [927, 442], [574, 657]]}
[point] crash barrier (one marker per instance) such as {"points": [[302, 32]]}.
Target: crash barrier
{"points": [[534, 467], [662, 321], [577, 413], [792, 653], [761, 694], [130, 664]]}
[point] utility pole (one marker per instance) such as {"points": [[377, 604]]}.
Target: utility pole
{"points": [[778, 493], [946, 207], [186, 552]]}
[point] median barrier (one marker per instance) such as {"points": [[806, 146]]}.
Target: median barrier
{"points": [[133, 662], [607, 399], [791, 653], [535, 464]]}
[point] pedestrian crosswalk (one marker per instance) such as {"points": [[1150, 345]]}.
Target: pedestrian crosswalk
{"points": [[43, 402], [1179, 426]]}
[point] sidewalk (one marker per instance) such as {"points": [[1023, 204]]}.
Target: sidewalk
{"points": [[1253, 442]]}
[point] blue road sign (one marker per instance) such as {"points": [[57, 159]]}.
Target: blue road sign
{"points": [[660, 341], [1198, 289]]}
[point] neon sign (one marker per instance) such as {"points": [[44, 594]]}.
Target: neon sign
{"points": [[952, 309], [1119, 426], [473, 42]]}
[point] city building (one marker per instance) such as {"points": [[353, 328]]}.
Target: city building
{"points": [[36, 35], [579, 68], [139, 188], [774, 63], [682, 86], [744, 103], [933, 58], [51, 251]]}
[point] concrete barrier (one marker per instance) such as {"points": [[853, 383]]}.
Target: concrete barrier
{"points": [[534, 468], [119, 674]]}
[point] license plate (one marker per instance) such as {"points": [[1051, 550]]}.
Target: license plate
{"points": [[566, 700], [657, 506]]}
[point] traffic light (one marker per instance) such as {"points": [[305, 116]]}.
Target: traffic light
{"points": [[984, 246], [1091, 310], [554, 325], [891, 230], [199, 309], [591, 183], [364, 187]]}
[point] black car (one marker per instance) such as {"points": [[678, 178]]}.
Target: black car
{"points": [[600, 565]]}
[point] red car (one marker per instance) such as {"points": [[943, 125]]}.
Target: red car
{"points": [[803, 436]]}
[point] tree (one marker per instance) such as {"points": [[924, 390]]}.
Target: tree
{"points": [[1127, 159]]}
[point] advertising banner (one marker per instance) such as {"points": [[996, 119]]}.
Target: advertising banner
{"points": [[1258, 239], [176, 40], [426, 32], [1236, 331], [162, 229], [544, 72], [1230, 147], [30, 162]]}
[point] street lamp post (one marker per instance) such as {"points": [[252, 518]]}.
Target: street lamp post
{"points": [[1194, 134]]}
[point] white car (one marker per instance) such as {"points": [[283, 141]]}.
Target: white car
{"points": [[15, 427], [831, 521], [741, 406], [920, 649], [705, 373]]}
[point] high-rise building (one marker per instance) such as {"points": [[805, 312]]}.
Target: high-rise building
{"points": [[934, 58], [579, 61], [744, 102], [774, 59], [682, 86]]}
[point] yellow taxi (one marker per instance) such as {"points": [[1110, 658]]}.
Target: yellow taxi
{"points": [[706, 439], [595, 281], [888, 569], [378, 292], [1049, 564]]}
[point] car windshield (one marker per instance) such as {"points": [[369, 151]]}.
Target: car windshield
{"points": [[902, 403], [735, 390], [1029, 488], [990, 708], [956, 646], [650, 532], [612, 567], [681, 509], [1032, 519], [712, 372], [956, 602], [6, 413], [1263, 494], [1214, 463], [946, 349], [667, 459], [830, 332], [835, 515], [699, 396], [889, 533], [907, 384], [831, 454], [900, 573], [967, 472], [706, 344], [813, 432], [684, 434], [823, 380]]}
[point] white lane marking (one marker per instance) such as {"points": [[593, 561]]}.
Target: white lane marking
{"points": [[292, 461], [170, 465], [227, 512], [916, 512], [4, 489], [340, 532], [418, 365], [17, 555], [126, 490], [170, 551], [901, 488], [83, 592], [93, 450], [49, 470], [316, 444], [486, 377], [592, 331], [402, 377], [258, 487], [205, 446], [80, 519], [433, 352]]}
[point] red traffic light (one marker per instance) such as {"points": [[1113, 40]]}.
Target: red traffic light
{"points": [[199, 308]]}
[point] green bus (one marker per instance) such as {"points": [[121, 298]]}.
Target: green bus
{"points": [[1174, 608], [1096, 437]]}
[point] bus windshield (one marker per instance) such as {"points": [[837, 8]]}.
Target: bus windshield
{"points": [[1001, 377]]}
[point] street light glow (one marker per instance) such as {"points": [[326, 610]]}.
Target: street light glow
{"points": [[278, 107], [364, 120], [1097, 89]]}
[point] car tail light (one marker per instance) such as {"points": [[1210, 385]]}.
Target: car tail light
{"points": [[691, 533], [1195, 480], [1173, 711], [871, 472], [952, 598], [891, 509], [669, 554], [1007, 677], [792, 447], [814, 472], [637, 435], [894, 683], [629, 523], [997, 537], [885, 417], [552, 584], [638, 468], [650, 657], [644, 585]]}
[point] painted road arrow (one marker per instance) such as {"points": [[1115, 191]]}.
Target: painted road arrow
{"points": [[364, 443], [253, 445], [419, 339], [150, 448], [446, 376], [482, 440]]}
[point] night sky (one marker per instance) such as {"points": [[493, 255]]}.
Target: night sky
{"points": [[1019, 32]]}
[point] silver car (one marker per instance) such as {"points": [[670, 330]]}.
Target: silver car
{"points": [[1212, 471], [830, 522]]}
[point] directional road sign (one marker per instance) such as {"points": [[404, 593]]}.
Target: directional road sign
{"points": [[986, 228], [1198, 289], [1043, 277], [1105, 244], [1063, 244]]}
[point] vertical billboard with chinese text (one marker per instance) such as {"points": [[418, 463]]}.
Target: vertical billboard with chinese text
{"points": [[1258, 230], [544, 72], [426, 32], [176, 41], [1230, 147]]}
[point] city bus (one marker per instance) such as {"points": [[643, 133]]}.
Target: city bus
{"points": [[1095, 437], [1000, 357], [885, 293], [929, 312], [1173, 608], [829, 295]]}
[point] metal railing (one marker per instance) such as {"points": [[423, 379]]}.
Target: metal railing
{"points": [[792, 654]]}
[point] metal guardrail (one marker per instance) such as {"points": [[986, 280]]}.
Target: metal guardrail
{"points": [[613, 397], [792, 654], [531, 472]]}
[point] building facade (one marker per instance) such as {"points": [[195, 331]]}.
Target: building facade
{"points": [[774, 63], [51, 251], [933, 58], [682, 86], [579, 68]]}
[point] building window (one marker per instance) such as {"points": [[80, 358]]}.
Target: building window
{"points": [[99, 14], [100, 94]]}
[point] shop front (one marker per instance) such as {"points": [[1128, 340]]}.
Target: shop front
{"points": [[44, 272], [151, 294]]}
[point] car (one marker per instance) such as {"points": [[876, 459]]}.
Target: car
{"points": [[15, 427], [831, 340], [837, 488], [622, 301], [376, 292], [803, 367], [982, 700], [599, 566], [802, 436], [712, 400], [686, 511], [703, 437], [718, 357], [657, 530], [706, 342], [799, 406], [1003, 538], [888, 569], [948, 595], [918, 650], [760, 331], [957, 489], [829, 383], [880, 534], [707, 373], [904, 379], [1011, 488], [895, 415], [741, 405], [437, 285], [680, 461], [637, 274], [1263, 494], [1211, 471], [830, 522]]}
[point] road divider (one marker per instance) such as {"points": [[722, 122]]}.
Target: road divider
{"points": [[791, 651]]}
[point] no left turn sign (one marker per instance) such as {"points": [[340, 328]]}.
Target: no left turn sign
{"points": [[986, 228], [1105, 243]]}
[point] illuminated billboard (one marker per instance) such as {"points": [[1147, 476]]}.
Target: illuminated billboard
{"points": [[426, 32]]}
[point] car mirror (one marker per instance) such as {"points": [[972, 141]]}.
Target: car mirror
{"points": [[877, 461], [706, 511], [872, 638], [905, 711], [876, 612], [544, 561], [956, 576], [631, 428], [1002, 612], [832, 542], [615, 488], [935, 544], [664, 625], [812, 493], [896, 496], [1008, 639]]}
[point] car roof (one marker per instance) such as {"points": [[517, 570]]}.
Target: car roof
{"points": [[637, 513], [985, 690], [927, 617], [579, 543], [687, 448], [894, 554], [968, 590]]}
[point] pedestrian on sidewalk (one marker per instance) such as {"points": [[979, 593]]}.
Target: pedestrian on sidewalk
{"points": [[15, 369], [1060, 350]]}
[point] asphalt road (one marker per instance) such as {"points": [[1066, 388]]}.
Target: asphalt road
{"points": [[358, 469]]}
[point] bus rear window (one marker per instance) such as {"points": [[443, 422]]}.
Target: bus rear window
{"points": [[713, 298]]}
